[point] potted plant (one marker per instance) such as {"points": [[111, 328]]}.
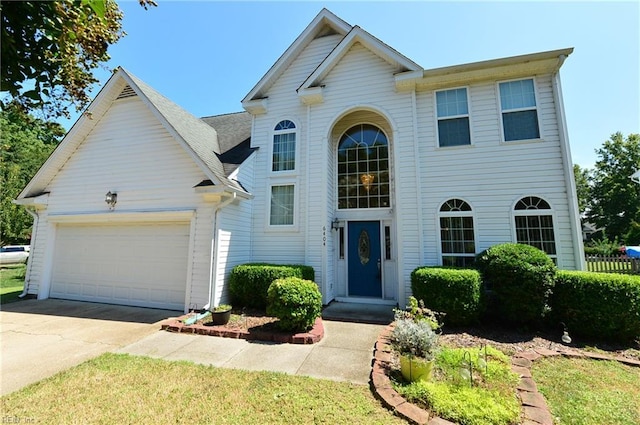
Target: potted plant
{"points": [[416, 341], [221, 314]]}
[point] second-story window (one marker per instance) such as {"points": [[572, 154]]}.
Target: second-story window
{"points": [[453, 117], [284, 146], [519, 110]]}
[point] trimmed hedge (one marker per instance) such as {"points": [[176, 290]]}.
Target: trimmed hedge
{"points": [[455, 292], [521, 278], [296, 302], [249, 283], [602, 306]]}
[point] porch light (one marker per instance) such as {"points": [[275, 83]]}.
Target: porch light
{"points": [[367, 180], [335, 224], [111, 199]]}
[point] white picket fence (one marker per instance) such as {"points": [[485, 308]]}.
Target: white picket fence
{"points": [[617, 264]]}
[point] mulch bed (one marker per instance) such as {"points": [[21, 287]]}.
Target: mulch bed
{"points": [[247, 324]]}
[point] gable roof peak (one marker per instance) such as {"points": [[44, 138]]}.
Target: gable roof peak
{"points": [[325, 23]]}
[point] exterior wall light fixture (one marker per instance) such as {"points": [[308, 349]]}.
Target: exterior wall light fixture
{"points": [[335, 224], [111, 199]]}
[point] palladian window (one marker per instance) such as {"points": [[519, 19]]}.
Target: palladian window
{"points": [[363, 168], [534, 224]]}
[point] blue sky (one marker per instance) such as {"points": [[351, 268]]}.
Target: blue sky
{"points": [[206, 56]]}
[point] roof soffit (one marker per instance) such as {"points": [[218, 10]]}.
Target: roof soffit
{"points": [[496, 69], [325, 23]]}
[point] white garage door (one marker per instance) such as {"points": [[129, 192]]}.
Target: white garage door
{"points": [[139, 265]]}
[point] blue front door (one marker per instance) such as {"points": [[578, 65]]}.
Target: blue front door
{"points": [[365, 275]]}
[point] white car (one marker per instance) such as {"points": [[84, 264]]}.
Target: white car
{"points": [[14, 254]]}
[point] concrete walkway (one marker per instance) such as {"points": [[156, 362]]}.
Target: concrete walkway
{"points": [[41, 338], [345, 353]]}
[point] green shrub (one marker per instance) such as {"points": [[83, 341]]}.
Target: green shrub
{"points": [[248, 283], [521, 278], [455, 292], [296, 302], [603, 306]]}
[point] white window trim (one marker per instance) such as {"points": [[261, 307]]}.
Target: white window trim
{"points": [[282, 227], [272, 135], [440, 214], [467, 115], [536, 108], [520, 213]]}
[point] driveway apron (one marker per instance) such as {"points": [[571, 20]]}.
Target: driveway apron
{"points": [[41, 338]]}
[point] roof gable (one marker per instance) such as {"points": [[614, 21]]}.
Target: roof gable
{"points": [[198, 139], [325, 23], [357, 35]]}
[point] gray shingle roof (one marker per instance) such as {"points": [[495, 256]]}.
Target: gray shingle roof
{"points": [[234, 138], [200, 137]]}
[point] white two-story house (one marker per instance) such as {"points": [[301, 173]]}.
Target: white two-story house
{"points": [[350, 158]]}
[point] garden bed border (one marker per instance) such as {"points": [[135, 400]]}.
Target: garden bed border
{"points": [[534, 405], [313, 336]]}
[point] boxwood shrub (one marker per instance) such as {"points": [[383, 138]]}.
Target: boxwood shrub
{"points": [[248, 283], [521, 278], [601, 306], [455, 292], [296, 302]]}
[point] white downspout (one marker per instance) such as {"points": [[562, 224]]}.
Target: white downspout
{"points": [[213, 269], [36, 222]]}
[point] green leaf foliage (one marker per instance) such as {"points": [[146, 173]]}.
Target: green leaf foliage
{"points": [[249, 283], [50, 50], [25, 144], [614, 198], [455, 292], [296, 302], [521, 277], [600, 306]]}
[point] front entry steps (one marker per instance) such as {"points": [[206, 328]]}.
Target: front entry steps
{"points": [[359, 313]]}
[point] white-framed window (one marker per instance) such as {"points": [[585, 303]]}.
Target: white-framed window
{"points": [[457, 233], [533, 219], [363, 168], [282, 209], [519, 110], [284, 147], [452, 110]]}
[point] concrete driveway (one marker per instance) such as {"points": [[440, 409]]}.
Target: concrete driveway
{"points": [[41, 338]]}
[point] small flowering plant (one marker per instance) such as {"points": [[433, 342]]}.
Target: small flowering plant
{"points": [[415, 332]]}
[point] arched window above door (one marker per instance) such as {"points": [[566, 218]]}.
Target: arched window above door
{"points": [[363, 168]]}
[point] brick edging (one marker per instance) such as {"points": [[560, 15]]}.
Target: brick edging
{"points": [[534, 406], [313, 336]]}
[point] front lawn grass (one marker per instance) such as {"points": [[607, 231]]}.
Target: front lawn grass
{"points": [[490, 400], [11, 282], [119, 388], [589, 392]]}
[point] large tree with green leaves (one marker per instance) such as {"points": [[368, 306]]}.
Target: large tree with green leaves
{"points": [[50, 50], [614, 198], [26, 143]]}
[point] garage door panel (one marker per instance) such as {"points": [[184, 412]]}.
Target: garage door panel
{"points": [[142, 265]]}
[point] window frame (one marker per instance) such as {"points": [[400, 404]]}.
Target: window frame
{"points": [[536, 108], [444, 214], [451, 117], [539, 213], [282, 227], [296, 132], [337, 170]]}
